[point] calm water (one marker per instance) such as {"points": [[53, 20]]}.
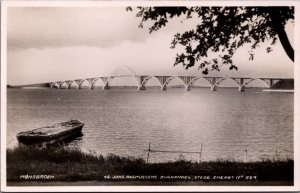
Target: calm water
{"points": [[226, 122]]}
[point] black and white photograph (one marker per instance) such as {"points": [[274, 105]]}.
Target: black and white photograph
{"points": [[149, 96]]}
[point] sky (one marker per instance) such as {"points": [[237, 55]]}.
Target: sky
{"points": [[56, 44]]}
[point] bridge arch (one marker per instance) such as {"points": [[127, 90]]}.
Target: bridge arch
{"points": [[192, 82], [169, 80], [94, 82], [51, 84], [73, 85], [254, 79], [128, 79], [146, 80], [57, 85], [221, 80], [64, 85], [123, 71], [81, 82], [268, 84], [69, 83], [98, 81]]}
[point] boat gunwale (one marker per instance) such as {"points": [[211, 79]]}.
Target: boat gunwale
{"points": [[27, 135]]}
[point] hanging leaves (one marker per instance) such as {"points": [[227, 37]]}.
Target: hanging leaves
{"points": [[220, 29]]}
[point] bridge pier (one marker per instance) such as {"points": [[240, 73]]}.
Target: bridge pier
{"points": [[187, 82], [79, 83], [241, 89], [213, 82], [187, 88], [164, 81], [271, 81], [51, 84], [59, 83], [105, 80], [142, 87], [241, 83], [91, 82], [141, 82], [106, 86], [69, 83], [163, 87]]}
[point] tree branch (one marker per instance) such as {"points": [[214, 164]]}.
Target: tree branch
{"points": [[279, 28]]}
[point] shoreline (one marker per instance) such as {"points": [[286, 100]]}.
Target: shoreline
{"points": [[63, 166]]}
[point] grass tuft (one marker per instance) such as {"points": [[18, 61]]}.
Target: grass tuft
{"points": [[74, 165]]}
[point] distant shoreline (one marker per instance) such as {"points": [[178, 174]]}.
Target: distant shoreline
{"points": [[278, 90]]}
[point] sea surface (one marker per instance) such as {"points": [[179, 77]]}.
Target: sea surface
{"points": [[243, 126]]}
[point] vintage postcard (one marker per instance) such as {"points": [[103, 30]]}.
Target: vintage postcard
{"points": [[150, 96]]}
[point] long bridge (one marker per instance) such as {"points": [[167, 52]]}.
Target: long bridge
{"points": [[141, 81]]}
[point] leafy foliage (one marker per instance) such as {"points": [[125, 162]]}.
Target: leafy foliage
{"points": [[221, 30]]}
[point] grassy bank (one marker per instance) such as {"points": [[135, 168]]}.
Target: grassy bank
{"points": [[74, 165]]}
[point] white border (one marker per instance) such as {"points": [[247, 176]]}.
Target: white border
{"points": [[3, 95], [6, 4]]}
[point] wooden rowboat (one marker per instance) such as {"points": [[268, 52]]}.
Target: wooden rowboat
{"points": [[50, 133]]}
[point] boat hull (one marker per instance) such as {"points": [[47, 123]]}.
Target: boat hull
{"points": [[26, 138]]}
